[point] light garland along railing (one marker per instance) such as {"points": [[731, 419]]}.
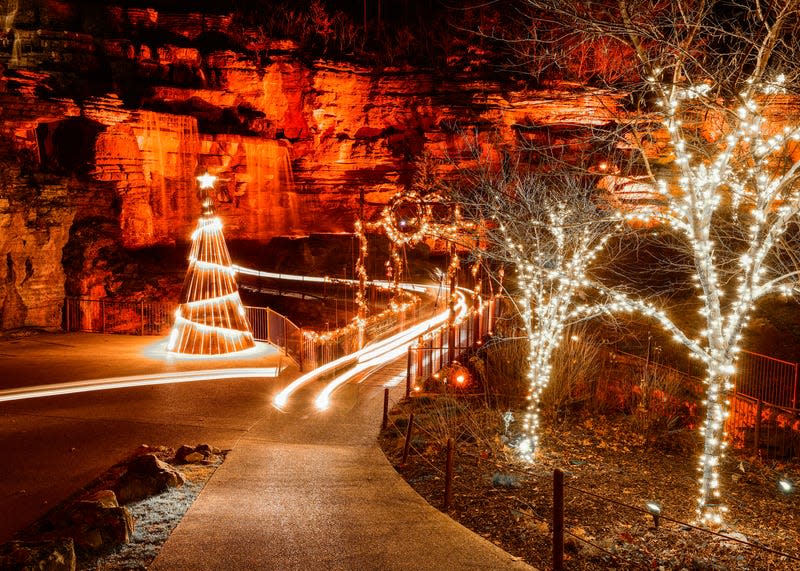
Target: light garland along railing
{"points": [[318, 349], [321, 348]]}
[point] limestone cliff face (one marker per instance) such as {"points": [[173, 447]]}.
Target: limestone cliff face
{"points": [[35, 218], [124, 107]]}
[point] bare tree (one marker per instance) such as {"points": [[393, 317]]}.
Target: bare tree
{"points": [[712, 129], [548, 228]]}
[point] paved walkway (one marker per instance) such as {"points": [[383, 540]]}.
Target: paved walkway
{"points": [[299, 490], [333, 503]]}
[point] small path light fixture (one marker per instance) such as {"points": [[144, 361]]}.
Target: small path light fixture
{"points": [[654, 509]]}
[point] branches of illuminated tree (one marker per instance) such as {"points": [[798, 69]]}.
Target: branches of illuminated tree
{"points": [[715, 129], [548, 228]]}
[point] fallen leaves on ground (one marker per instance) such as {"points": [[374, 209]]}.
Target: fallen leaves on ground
{"points": [[604, 458]]}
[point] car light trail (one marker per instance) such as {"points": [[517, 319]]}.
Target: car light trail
{"points": [[396, 380], [388, 350], [373, 355], [133, 381]]}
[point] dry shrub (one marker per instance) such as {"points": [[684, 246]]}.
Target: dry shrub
{"points": [[467, 420], [663, 408], [501, 368], [577, 364]]}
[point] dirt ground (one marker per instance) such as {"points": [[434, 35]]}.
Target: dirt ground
{"points": [[610, 478]]}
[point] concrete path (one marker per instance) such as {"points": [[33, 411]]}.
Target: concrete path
{"points": [[285, 501], [300, 489]]}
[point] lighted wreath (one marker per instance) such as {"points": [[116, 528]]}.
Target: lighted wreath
{"points": [[406, 219]]}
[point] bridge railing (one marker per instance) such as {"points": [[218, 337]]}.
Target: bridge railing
{"points": [[320, 348]]}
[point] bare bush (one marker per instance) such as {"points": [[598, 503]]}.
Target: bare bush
{"points": [[577, 365]]}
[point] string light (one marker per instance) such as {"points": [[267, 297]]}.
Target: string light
{"points": [[407, 220], [211, 319], [750, 178], [552, 239]]}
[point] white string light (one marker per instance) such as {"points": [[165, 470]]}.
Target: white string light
{"points": [[211, 319], [750, 177]]}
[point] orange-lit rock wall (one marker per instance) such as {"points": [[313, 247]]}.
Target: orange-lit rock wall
{"points": [[292, 142]]}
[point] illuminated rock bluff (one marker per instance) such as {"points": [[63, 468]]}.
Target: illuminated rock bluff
{"points": [[108, 113]]}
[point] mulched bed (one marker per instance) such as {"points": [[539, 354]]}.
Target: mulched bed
{"points": [[510, 503]]}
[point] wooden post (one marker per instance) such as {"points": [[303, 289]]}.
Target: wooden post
{"points": [[448, 475], [558, 520], [408, 439], [142, 318], [103, 315], [757, 436], [794, 393], [385, 421], [408, 373]]}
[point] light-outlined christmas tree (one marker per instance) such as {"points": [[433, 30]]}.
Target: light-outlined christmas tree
{"points": [[211, 319]]}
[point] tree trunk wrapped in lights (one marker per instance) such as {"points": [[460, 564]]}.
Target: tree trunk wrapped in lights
{"points": [[550, 231], [715, 130], [211, 319]]}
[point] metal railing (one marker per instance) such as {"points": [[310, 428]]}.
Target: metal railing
{"points": [[434, 351], [319, 349], [157, 317], [766, 378], [277, 329], [762, 426], [763, 413], [111, 316]]}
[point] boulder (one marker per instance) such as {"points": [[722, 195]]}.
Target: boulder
{"points": [[147, 476], [207, 449], [97, 523], [189, 455], [48, 555]]}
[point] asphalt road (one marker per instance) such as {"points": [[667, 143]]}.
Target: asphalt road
{"points": [[52, 446], [301, 489]]}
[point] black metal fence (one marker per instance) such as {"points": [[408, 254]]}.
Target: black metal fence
{"points": [[157, 317], [768, 379], [319, 349], [129, 317], [443, 345]]}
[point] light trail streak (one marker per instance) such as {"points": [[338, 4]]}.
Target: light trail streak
{"points": [[394, 381], [134, 381], [313, 279], [282, 398], [372, 355], [385, 352]]}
